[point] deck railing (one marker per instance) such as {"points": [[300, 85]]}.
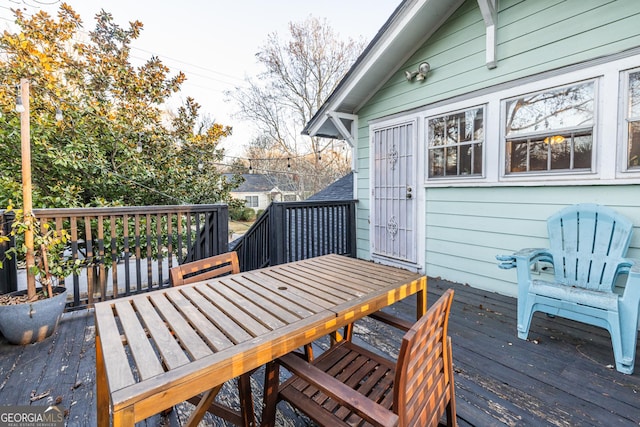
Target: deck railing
{"points": [[130, 249], [127, 250], [291, 231]]}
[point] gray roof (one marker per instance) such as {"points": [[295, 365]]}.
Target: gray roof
{"points": [[342, 189], [259, 183]]}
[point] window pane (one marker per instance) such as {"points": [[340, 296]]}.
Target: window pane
{"points": [[461, 134], [560, 152], [538, 155], [582, 151], [634, 145], [634, 94], [568, 107], [452, 161], [478, 125], [436, 131], [517, 155], [466, 159], [436, 162], [452, 129], [477, 159]]}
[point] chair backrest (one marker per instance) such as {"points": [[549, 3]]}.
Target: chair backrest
{"points": [[218, 265], [424, 381], [587, 241]]}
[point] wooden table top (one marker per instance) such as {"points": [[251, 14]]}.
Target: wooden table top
{"points": [[163, 347]]}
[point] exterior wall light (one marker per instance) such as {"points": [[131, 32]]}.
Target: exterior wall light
{"points": [[421, 74]]}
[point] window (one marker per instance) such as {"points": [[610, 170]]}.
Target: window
{"points": [[455, 143], [633, 121], [251, 201], [290, 198], [551, 130]]}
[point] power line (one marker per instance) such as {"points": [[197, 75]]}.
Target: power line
{"points": [[191, 65]]}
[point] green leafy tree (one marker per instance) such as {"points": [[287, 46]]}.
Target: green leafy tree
{"points": [[116, 143]]}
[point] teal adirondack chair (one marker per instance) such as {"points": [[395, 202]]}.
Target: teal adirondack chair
{"points": [[588, 245]]}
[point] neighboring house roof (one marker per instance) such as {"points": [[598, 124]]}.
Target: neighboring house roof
{"points": [[259, 183], [342, 189], [410, 25]]}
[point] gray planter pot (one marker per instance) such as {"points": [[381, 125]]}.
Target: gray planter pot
{"points": [[32, 322]]}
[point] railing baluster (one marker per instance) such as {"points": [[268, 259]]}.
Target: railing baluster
{"points": [[188, 230], [73, 225], [114, 254], [160, 246], [125, 244], [89, 258], [101, 267], [170, 240], [149, 253], [138, 254]]}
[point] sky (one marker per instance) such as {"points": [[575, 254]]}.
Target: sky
{"points": [[214, 42]]}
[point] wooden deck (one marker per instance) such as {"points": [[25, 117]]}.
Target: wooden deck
{"points": [[563, 376]]}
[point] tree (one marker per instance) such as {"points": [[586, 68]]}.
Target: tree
{"points": [[116, 143], [299, 75]]}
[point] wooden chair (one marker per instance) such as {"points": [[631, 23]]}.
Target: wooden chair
{"points": [[208, 268], [587, 248], [196, 271], [348, 385]]}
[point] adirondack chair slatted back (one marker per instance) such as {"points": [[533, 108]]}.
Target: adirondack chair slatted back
{"points": [[587, 241]]}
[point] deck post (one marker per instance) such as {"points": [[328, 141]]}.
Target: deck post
{"points": [[277, 230]]}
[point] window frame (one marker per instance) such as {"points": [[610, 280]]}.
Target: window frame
{"points": [[482, 143], [625, 120], [248, 200], [569, 130]]}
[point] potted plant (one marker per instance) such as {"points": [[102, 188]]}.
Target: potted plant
{"points": [[32, 315]]}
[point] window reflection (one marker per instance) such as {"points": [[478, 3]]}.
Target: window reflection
{"points": [[633, 129], [455, 143], [551, 130]]}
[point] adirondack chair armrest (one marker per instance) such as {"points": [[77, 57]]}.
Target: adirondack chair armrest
{"points": [[525, 258], [363, 406], [632, 287]]}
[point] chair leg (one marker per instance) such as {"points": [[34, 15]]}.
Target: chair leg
{"points": [[270, 395], [452, 420], [308, 352], [525, 313], [624, 336]]}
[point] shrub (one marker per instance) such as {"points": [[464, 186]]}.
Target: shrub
{"points": [[236, 213], [248, 214]]}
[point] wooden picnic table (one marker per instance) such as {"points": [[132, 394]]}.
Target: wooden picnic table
{"points": [[160, 348]]}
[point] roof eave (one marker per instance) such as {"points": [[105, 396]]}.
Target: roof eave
{"points": [[411, 24]]}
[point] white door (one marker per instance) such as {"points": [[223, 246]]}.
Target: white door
{"points": [[394, 217]]}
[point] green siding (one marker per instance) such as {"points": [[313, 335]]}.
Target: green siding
{"points": [[467, 227], [532, 37]]}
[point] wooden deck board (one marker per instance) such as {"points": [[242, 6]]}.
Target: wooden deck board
{"points": [[563, 380]]}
